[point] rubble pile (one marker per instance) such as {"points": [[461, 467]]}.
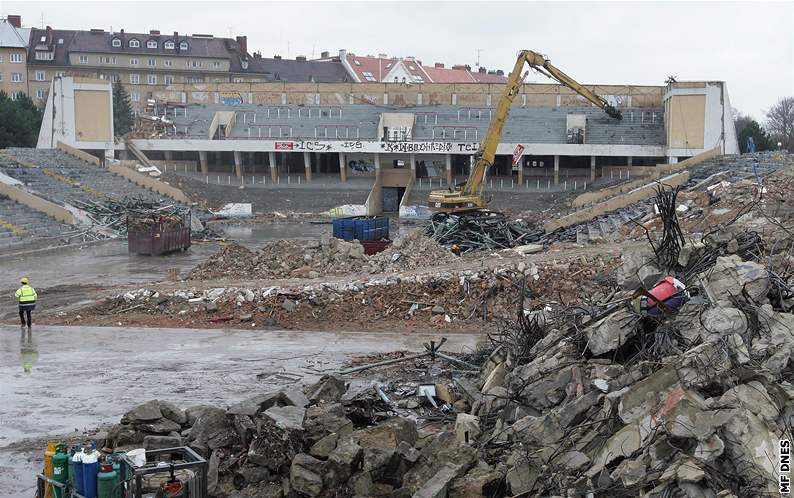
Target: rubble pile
{"points": [[567, 402], [315, 258], [283, 259], [441, 298], [410, 252]]}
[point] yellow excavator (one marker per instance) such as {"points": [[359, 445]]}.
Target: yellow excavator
{"points": [[469, 196]]}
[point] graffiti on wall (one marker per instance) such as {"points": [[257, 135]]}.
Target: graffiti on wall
{"points": [[231, 98]]}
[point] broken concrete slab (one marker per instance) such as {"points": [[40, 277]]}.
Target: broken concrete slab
{"points": [[467, 428], [611, 332], [438, 485], [329, 389], [387, 435], [145, 412], [731, 275], [286, 417], [305, 475]]}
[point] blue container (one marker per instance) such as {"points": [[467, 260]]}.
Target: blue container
{"points": [[362, 228], [344, 228], [76, 471], [90, 473]]}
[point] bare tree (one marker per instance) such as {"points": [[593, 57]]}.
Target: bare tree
{"points": [[780, 122]]}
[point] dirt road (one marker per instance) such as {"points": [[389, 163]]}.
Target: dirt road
{"points": [[82, 377]]}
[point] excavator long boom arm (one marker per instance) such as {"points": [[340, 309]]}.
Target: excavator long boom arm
{"points": [[486, 154]]}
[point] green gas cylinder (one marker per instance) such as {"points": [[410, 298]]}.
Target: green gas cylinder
{"points": [[108, 482], [60, 468]]}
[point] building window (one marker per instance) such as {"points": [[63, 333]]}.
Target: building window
{"points": [[60, 41], [60, 74], [368, 76], [216, 64], [133, 62], [151, 44], [151, 79], [135, 79], [42, 56], [116, 42], [152, 62], [418, 79], [114, 78], [40, 76], [1, 76], [83, 59], [107, 60], [357, 63], [169, 45], [135, 44], [41, 93], [168, 63], [15, 58], [135, 96], [238, 80], [183, 45], [196, 63], [13, 95], [16, 77], [196, 79], [169, 80], [1, 58]]}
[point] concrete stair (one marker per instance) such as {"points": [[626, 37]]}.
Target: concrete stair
{"points": [[20, 224], [62, 178]]}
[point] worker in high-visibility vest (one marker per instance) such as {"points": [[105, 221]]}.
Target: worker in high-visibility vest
{"points": [[26, 296]]}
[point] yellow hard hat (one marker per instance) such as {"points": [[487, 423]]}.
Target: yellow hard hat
{"points": [[23, 280]]}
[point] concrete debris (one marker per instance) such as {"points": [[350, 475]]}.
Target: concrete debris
{"points": [[277, 259]]}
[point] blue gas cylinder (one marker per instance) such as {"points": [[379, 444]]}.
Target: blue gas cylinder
{"points": [[76, 470], [90, 472]]}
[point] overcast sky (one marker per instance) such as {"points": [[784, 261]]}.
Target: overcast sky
{"points": [[748, 44]]}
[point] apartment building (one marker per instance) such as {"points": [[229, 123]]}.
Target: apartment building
{"points": [[13, 56], [140, 61]]}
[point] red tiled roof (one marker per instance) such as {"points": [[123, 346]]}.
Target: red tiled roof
{"points": [[377, 67], [448, 75], [488, 78]]}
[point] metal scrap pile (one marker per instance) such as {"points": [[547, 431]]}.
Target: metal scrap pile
{"points": [[480, 230], [112, 214]]}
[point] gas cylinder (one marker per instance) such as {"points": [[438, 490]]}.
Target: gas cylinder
{"points": [[60, 468], [76, 470], [51, 446], [107, 482], [90, 471]]}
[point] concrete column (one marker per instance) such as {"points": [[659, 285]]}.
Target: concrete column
{"points": [[592, 168], [271, 157], [219, 158], [307, 164], [238, 164], [412, 162], [556, 170], [203, 161], [168, 157], [377, 165], [449, 168], [629, 160], [342, 167]]}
